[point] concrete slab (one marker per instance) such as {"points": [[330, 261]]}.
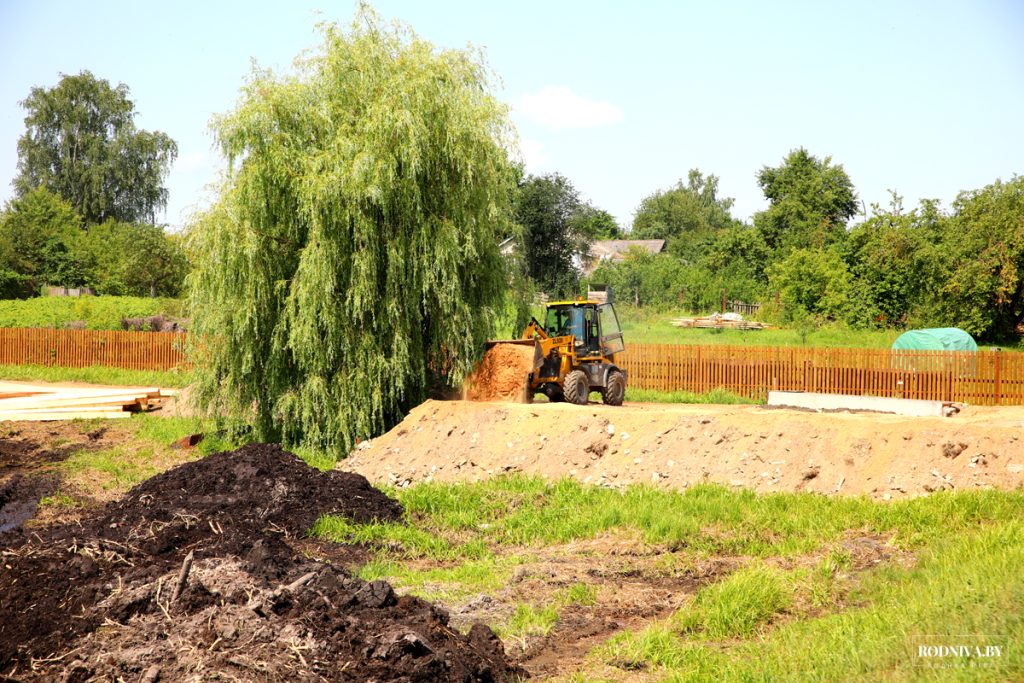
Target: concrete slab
{"points": [[898, 406]]}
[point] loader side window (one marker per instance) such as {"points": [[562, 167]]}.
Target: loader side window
{"points": [[611, 333], [555, 321]]}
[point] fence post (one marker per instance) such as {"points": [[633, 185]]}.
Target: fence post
{"points": [[723, 299], [999, 377]]}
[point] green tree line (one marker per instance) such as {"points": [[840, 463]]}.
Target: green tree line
{"points": [[88, 188], [926, 267]]}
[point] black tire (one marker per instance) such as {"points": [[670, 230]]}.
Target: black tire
{"points": [[554, 393], [576, 387], [614, 389]]}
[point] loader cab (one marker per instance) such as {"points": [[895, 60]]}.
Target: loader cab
{"points": [[595, 327]]}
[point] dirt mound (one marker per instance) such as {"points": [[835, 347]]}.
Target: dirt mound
{"points": [[884, 456], [100, 598], [256, 485], [502, 375]]}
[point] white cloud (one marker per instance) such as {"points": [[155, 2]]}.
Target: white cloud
{"points": [[533, 153], [192, 161], [556, 106]]}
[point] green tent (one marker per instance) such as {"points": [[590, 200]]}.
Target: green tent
{"points": [[940, 339]]}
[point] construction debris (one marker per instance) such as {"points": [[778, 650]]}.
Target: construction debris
{"points": [[24, 401], [731, 321]]}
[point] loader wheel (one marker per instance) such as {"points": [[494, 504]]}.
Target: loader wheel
{"points": [[576, 387], [615, 389], [553, 392]]}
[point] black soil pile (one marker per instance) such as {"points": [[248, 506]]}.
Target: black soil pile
{"points": [[101, 599]]}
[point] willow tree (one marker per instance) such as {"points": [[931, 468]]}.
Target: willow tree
{"points": [[350, 258]]}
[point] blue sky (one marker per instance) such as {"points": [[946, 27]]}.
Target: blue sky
{"points": [[622, 98]]}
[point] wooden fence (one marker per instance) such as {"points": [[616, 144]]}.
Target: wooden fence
{"points": [[982, 378], [82, 348]]}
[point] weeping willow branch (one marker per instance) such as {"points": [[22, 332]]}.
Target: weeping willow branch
{"points": [[351, 253]]}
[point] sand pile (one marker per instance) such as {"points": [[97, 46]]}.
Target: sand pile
{"points": [[502, 375], [883, 456], [101, 600]]}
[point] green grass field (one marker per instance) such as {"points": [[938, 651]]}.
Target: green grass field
{"points": [[97, 312], [646, 326], [95, 375], [799, 604]]}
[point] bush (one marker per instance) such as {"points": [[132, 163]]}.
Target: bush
{"points": [[97, 312]]}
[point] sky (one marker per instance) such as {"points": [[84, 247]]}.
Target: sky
{"points": [[623, 99]]}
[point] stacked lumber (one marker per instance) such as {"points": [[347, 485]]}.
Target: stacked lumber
{"points": [[24, 401], [719, 322]]}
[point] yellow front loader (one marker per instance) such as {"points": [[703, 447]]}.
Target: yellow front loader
{"points": [[574, 352]]}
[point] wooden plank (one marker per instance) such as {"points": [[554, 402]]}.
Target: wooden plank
{"points": [[32, 404], [18, 394], [44, 417], [69, 409], [87, 389]]}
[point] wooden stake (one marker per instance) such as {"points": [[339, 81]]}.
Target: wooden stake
{"points": [[179, 587]]}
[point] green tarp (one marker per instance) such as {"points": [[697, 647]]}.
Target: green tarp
{"points": [[939, 339]]}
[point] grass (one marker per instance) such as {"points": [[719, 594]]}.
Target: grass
{"points": [[528, 620], [717, 396], [647, 326], [451, 521], [962, 584], [442, 583], [140, 450], [95, 375], [114, 468], [736, 606], [797, 606], [97, 312], [59, 500], [539, 620]]}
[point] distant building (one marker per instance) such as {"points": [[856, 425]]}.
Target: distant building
{"points": [[615, 250], [602, 250], [507, 246]]}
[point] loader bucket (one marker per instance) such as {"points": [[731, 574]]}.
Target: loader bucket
{"points": [[505, 372], [538, 355]]}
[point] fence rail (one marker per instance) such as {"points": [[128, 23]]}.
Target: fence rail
{"points": [[982, 378], [83, 348]]}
